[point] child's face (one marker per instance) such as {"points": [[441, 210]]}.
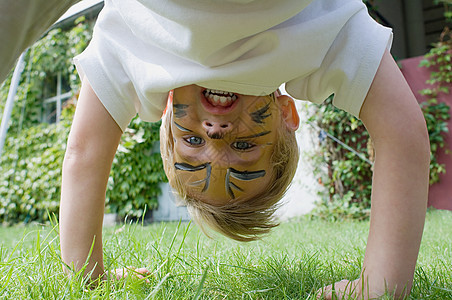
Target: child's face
{"points": [[223, 142]]}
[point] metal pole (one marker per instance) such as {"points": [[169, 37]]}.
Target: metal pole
{"points": [[10, 100], [58, 98]]}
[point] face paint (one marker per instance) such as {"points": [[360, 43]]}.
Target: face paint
{"points": [[181, 128], [180, 110], [255, 135], [231, 173], [261, 114], [240, 175], [190, 168]]}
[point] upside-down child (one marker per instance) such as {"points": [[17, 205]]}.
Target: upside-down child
{"points": [[227, 135]]}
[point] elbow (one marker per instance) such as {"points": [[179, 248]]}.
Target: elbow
{"points": [[84, 158], [407, 139], [77, 156]]}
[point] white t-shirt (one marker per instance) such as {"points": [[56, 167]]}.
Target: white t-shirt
{"points": [[141, 49]]}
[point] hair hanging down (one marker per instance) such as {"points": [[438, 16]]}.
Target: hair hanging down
{"points": [[245, 220]]}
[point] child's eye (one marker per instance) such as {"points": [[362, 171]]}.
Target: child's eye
{"points": [[242, 146], [195, 140]]}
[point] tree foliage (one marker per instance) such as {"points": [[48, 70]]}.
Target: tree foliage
{"points": [[30, 166]]}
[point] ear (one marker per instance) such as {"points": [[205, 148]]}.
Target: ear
{"points": [[288, 112]]}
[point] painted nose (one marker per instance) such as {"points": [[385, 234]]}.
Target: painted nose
{"points": [[216, 130]]}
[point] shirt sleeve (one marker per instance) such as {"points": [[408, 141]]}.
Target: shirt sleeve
{"points": [[119, 78], [349, 66], [109, 82]]}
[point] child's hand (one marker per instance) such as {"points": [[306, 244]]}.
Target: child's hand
{"points": [[140, 273], [343, 289]]}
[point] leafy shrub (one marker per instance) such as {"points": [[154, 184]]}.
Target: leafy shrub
{"points": [[346, 177], [30, 166], [137, 171], [436, 116], [30, 173]]}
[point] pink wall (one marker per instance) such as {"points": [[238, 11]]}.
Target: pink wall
{"points": [[440, 195]]}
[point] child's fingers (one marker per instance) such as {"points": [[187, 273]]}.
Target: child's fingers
{"points": [[143, 271], [337, 290], [325, 293], [121, 273]]}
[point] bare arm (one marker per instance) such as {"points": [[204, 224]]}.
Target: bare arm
{"points": [[395, 122], [90, 150]]}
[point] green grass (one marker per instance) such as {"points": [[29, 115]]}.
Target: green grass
{"points": [[298, 258]]}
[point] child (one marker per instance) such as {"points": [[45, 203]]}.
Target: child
{"points": [[221, 136]]}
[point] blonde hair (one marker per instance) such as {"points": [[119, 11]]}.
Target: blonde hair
{"points": [[244, 220]]}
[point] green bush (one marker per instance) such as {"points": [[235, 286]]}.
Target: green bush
{"points": [[137, 171], [30, 172], [346, 177], [30, 166]]}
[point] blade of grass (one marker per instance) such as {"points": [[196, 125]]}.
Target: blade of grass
{"points": [[157, 287], [201, 284]]}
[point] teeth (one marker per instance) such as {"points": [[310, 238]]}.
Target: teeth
{"points": [[218, 97]]}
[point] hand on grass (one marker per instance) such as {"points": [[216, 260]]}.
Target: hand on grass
{"points": [[139, 273], [343, 289]]}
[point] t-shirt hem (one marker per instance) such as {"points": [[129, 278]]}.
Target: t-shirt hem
{"points": [[87, 67], [366, 74], [240, 87]]}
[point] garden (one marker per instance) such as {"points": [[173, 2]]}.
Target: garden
{"points": [[295, 260]]}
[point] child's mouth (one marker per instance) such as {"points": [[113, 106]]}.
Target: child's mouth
{"points": [[219, 102], [219, 98]]}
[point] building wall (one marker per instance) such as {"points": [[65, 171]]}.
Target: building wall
{"points": [[434, 21]]}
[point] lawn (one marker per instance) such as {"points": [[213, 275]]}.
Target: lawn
{"points": [[299, 257]]}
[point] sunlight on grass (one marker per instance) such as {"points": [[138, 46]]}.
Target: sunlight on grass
{"points": [[298, 258]]}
